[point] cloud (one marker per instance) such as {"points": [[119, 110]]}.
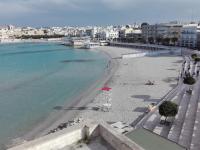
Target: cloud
{"points": [[21, 6], [29, 6], [8, 8], [91, 11], [119, 4]]}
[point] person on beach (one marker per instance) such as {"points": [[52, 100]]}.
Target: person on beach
{"points": [[108, 65]]}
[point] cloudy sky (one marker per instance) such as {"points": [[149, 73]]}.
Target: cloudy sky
{"points": [[95, 12]]}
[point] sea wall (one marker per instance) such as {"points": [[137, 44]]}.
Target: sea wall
{"points": [[152, 53], [117, 140], [59, 139], [74, 134]]}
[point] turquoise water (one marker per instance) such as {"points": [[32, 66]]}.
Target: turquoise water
{"points": [[34, 78]]}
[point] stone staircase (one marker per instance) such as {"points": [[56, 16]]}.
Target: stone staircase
{"points": [[185, 128], [163, 130], [188, 125], [195, 141], [175, 130]]}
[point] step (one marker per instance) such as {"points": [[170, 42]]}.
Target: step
{"points": [[188, 125], [179, 119], [195, 143], [163, 130], [152, 121]]}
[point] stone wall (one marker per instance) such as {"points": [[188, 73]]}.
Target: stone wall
{"points": [[117, 140], [74, 134]]}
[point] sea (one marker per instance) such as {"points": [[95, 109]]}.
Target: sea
{"points": [[37, 77]]}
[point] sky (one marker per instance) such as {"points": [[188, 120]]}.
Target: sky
{"points": [[95, 12]]}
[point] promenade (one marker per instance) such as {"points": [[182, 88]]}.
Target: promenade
{"points": [[184, 128]]}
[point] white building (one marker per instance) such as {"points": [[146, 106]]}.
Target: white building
{"points": [[130, 34], [92, 32], [107, 35], [190, 36]]}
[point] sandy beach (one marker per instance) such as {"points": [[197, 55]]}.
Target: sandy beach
{"points": [[129, 95]]}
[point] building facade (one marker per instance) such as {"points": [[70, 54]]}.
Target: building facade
{"points": [[130, 34], [168, 33], [190, 36]]}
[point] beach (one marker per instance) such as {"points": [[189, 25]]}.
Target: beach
{"points": [[129, 96]]}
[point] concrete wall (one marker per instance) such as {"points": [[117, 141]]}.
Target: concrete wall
{"points": [[49, 142], [73, 134], [125, 56], [117, 140], [59, 139], [152, 53]]}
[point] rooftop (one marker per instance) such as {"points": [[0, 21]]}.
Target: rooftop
{"points": [[151, 141]]}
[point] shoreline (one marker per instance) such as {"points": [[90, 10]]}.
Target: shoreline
{"points": [[120, 76], [18, 41], [84, 98]]}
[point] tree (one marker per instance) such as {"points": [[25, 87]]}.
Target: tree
{"points": [[168, 109], [166, 41], [194, 56], [189, 80], [174, 40], [151, 40], [158, 40], [197, 59]]}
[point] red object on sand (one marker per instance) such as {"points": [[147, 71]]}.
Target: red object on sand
{"points": [[106, 88]]}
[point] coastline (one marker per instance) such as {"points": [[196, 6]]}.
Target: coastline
{"points": [[128, 111], [56, 118], [18, 41]]}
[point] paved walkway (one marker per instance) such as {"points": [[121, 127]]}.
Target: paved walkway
{"points": [[185, 127]]}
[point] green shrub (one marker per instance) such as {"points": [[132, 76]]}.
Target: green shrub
{"points": [[197, 59], [194, 56], [189, 80], [168, 109]]}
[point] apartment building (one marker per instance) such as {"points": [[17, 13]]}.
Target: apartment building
{"points": [[190, 36]]}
